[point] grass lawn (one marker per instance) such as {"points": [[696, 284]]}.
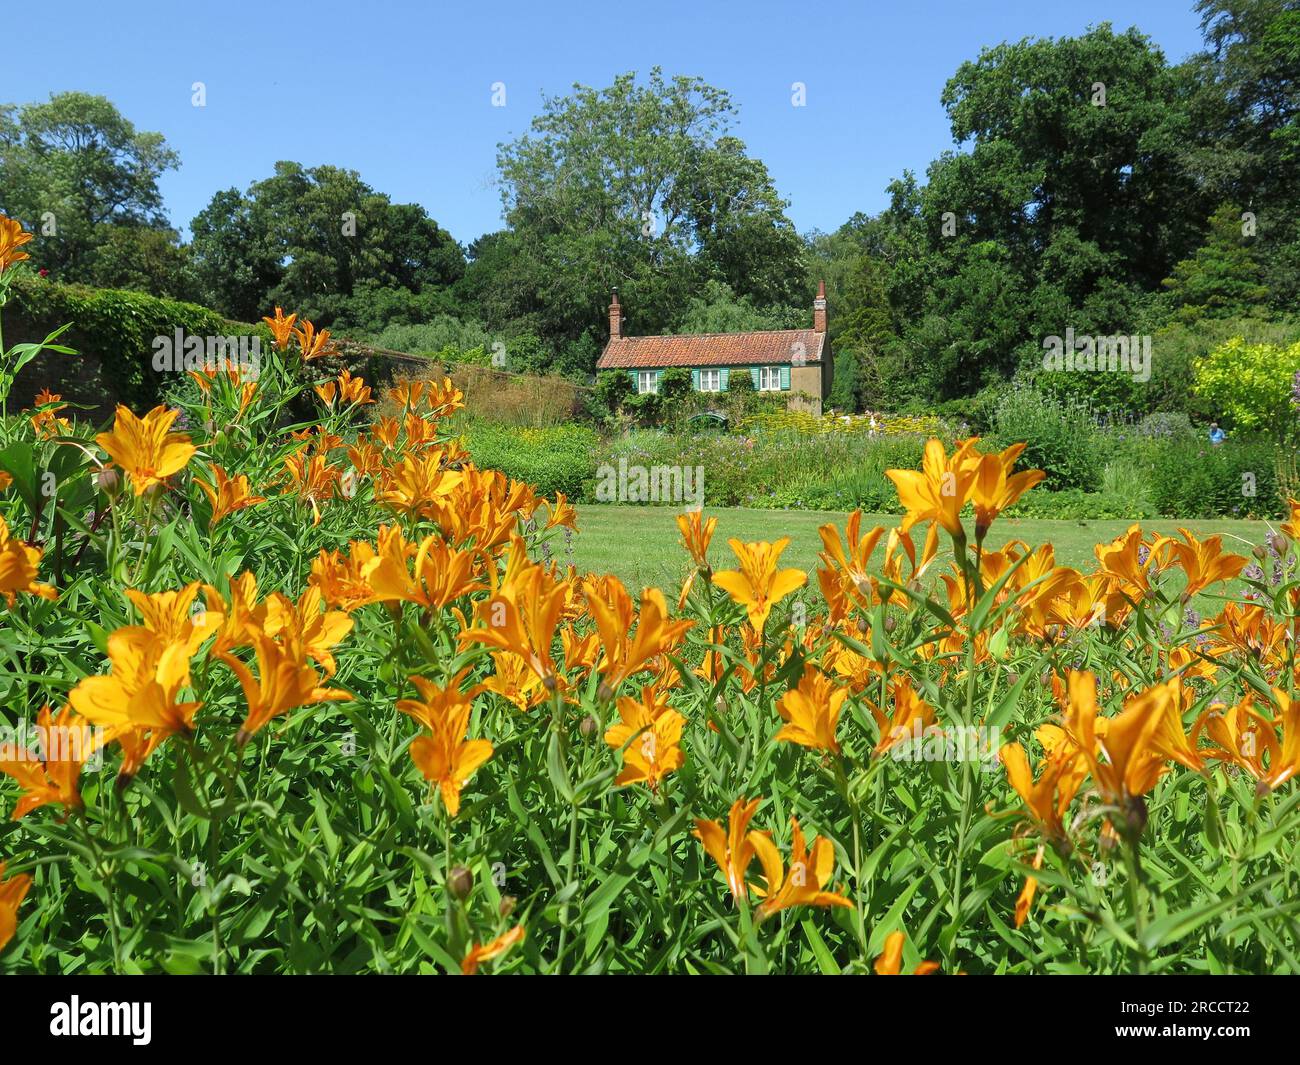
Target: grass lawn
{"points": [[641, 544]]}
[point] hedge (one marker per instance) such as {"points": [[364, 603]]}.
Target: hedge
{"points": [[113, 331]]}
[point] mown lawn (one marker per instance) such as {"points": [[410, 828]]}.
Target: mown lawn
{"points": [[640, 543]]}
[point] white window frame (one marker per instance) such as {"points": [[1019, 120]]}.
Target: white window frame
{"points": [[647, 381], [769, 379], [710, 380]]}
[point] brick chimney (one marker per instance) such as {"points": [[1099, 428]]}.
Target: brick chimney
{"points": [[819, 309], [615, 318]]}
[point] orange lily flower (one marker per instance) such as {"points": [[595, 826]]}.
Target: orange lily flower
{"points": [[12, 893], [305, 623], [341, 580], [281, 328], [1204, 562], [416, 483], [1048, 799], [890, 962], [758, 586], [561, 512], [12, 237], [515, 682], [18, 568], [353, 390], [696, 535], [732, 848], [312, 344], [1242, 735], [522, 618], [170, 617], [911, 717], [626, 654], [442, 574], [46, 421], [445, 758], [648, 736], [996, 488], [444, 397], [1135, 741], [1292, 526], [495, 949], [227, 494], [809, 874], [941, 488], [812, 711], [145, 447], [312, 478], [140, 692], [50, 777], [284, 682], [853, 562]]}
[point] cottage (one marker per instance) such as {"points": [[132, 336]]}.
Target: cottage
{"points": [[795, 362]]}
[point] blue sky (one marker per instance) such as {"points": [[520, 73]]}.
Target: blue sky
{"points": [[400, 90]]}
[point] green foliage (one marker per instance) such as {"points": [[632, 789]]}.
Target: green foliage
{"points": [[1251, 385], [116, 328], [1060, 435], [434, 336], [1222, 280], [555, 459], [639, 186], [844, 382], [1071, 504], [77, 173], [613, 387], [1192, 478], [675, 386], [320, 241], [647, 408], [717, 309]]}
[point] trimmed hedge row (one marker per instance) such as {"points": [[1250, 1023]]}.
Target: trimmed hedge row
{"points": [[113, 331]]}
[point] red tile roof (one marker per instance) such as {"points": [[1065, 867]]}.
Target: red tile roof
{"points": [[767, 347]]}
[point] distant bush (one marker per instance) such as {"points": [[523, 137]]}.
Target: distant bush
{"points": [[1061, 436], [1166, 426], [1074, 505], [1196, 479], [554, 459], [1251, 385], [431, 338]]}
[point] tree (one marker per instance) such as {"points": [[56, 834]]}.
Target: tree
{"points": [[717, 309], [322, 241], [1222, 280], [639, 187], [76, 172]]}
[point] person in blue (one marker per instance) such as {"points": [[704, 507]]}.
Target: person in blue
{"points": [[1217, 435]]}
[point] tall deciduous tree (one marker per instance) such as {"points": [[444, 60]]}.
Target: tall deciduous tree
{"points": [[77, 173], [316, 239], [637, 186]]}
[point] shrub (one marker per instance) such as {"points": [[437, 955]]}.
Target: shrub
{"points": [[112, 330], [1251, 385], [554, 459], [1193, 478], [1060, 435], [1164, 426], [613, 387]]}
